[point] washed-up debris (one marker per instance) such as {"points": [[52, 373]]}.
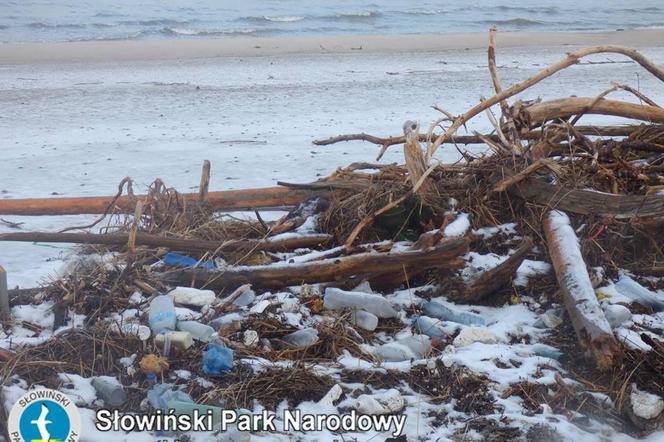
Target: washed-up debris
{"points": [[514, 294]]}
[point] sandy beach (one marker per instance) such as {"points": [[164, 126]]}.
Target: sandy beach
{"points": [[11, 53], [253, 117]]}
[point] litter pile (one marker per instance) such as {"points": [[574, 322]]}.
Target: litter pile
{"points": [[515, 295]]}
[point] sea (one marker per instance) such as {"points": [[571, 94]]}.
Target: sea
{"points": [[81, 20]]}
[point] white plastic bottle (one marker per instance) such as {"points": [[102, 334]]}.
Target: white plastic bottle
{"points": [[337, 299], [198, 331], [365, 320]]}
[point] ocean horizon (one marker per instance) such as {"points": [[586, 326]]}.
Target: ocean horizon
{"points": [[88, 20]]}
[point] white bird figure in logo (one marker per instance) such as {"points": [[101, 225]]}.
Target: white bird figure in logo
{"points": [[41, 424]]}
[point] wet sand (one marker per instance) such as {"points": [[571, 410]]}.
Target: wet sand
{"points": [[21, 53]]}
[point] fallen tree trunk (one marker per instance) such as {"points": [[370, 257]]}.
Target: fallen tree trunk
{"points": [[445, 255], [587, 202], [497, 277], [592, 328], [144, 239], [538, 113], [227, 200]]}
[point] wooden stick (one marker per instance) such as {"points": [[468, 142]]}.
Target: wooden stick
{"points": [[138, 213], [145, 239], [571, 59], [550, 110], [446, 255], [592, 328], [497, 277], [5, 312], [228, 200], [205, 182], [612, 131]]}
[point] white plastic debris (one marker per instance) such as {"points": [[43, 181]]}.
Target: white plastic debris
{"points": [[365, 320], [260, 307], [552, 318], [404, 349], [192, 297], [616, 314], [142, 332], [331, 396], [302, 338], [364, 287], [180, 340], [645, 405], [247, 297], [162, 316], [635, 291], [388, 402], [337, 299], [471, 335], [250, 338]]}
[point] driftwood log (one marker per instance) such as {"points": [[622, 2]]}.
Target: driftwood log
{"points": [[538, 113], [591, 202], [592, 328], [445, 255], [144, 239], [497, 277], [227, 200]]}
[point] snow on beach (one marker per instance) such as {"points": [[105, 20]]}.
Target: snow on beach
{"points": [[254, 118]]}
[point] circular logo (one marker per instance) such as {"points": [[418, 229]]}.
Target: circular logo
{"points": [[44, 415]]}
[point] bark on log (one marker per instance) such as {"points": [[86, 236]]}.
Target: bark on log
{"points": [[144, 239], [550, 110], [587, 202], [227, 200], [445, 255], [497, 277], [592, 328]]}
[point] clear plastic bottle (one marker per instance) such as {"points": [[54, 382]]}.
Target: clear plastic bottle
{"points": [[162, 314], [365, 320], [337, 299], [198, 331], [302, 338]]}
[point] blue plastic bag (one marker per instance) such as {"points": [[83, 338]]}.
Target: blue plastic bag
{"points": [[217, 360], [176, 260]]}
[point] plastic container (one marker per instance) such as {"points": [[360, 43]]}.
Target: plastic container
{"points": [[302, 338], [439, 311], [217, 360], [337, 299], [365, 320], [162, 314], [110, 390], [411, 347], [198, 331], [192, 297], [179, 340], [429, 326], [160, 394]]}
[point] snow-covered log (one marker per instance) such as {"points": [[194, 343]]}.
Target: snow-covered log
{"points": [[372, 266], [592, 328]]}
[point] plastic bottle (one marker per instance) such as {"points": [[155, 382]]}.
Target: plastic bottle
{"points": [[365, 320], [337, 299], [429, 326], [162, 314], [160, 394], [411, 347], [439, 311], [110, 390], [198, 331], [217, 359], [180, 340], [302, 338]]}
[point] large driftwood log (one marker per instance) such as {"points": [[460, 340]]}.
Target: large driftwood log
{"points": [[497, 277], [538, 113], [228, 200], [144, 239], [445, 255], [588, 202], [592, 328]]}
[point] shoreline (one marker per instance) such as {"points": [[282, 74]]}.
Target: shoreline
{"points": [[128, 50]]}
